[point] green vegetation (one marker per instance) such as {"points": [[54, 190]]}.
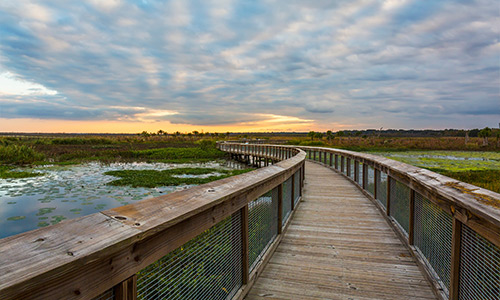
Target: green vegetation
{"points": [[478, 168], [172, 177], [5, 172], [488, 179], [19, 154], [37, 150]]}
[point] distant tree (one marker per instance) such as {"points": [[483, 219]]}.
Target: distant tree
{"points": [[311, 134], [485, 133], [196, 133], [474, 133], [329, 135], [177, 133], [145, 134], [190, 135], [161, 132], [318, 135]]}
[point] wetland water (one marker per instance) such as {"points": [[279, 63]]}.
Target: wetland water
{"points": [[67, 192]]}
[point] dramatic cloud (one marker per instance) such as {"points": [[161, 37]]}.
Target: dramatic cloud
{"points": [[327, 64]]}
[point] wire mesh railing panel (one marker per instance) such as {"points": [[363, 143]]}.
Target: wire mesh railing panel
{"points": [[370, 180], [262, 226], [287, 200], [206, 267], [432, 236], [400, 204], [479, 267], [351, 168], [360, 174], [107, 295], [382, 188], [296, 185]]}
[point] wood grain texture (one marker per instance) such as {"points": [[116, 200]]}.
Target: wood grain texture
{"points": [[81, 258], [338, 246]]}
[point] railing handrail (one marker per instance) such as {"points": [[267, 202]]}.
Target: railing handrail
{"points": [[81, 258], [463, 200]]}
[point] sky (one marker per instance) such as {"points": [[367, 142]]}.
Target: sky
{"points": [[256, 65]]}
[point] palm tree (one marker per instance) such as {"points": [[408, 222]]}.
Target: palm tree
{"points": [[485, 133]]}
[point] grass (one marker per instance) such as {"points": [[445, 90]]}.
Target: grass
{"points": [[154, 178], [488, 179], [5, 172], [19, 154], [478, 168]]}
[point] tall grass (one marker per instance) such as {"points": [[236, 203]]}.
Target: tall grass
{"points": [[19, 155]]}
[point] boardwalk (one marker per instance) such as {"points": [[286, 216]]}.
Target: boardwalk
{"points": [[338, 246]]}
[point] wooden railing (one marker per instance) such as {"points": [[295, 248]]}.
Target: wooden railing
{"points": [[225, 231], [451, 227]]}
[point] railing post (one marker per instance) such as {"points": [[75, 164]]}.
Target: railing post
{"points": [[376, 175], [127, 289], [356, 171], [348, 167], [411, 228], [456, 241], [336, 162], [388, 198], [280, 208], [245, 268], [293, 191], [314, 155], [331, 159], [365, 173]]}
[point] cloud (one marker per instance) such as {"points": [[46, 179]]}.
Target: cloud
{"points": [[232, 62]]}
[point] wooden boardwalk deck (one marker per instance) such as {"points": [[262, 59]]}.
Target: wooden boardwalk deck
{"points": [[338, 246]]}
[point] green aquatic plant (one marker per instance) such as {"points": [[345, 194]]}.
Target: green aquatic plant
{"points": [[6, 173], [172, 177]]}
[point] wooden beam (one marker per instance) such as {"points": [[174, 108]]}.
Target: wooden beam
{"points": [[411, 229], [245, 269], [280, 208], [126, 290], [456, 242], [388, 198]]}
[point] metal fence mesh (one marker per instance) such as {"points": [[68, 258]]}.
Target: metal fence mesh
{"points": [[370, 180], [479, 267], [206, 267], [262, 226], [360, 174], [400, 204], [432, 237], [107, 295], [287, 200], [351, 168], [296, 192], [382, 188]]}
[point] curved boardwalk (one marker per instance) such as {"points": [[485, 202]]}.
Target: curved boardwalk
{"points": [[338, 246]]}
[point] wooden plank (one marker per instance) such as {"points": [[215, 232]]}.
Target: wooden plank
{"points": [[338, 247], [455, 259], [245, 268], [126, 290], [83, 257]]}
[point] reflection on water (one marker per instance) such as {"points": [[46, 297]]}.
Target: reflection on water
{"points": [[67, 192]]}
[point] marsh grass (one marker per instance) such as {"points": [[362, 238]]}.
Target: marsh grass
{"points": [[19, 154], [154, 178], [488, 179]]}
